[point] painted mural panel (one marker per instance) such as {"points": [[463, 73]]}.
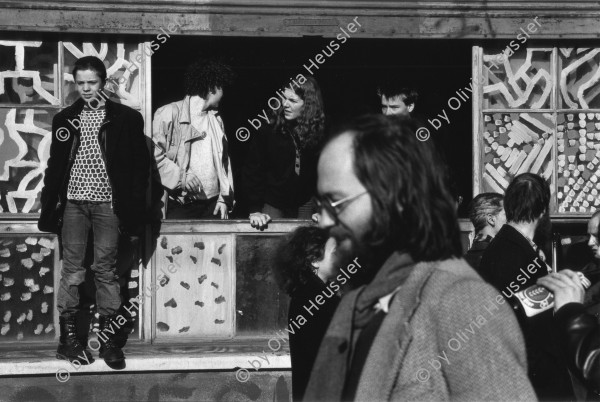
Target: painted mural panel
{"points": [[195, 280], [515, 143], [562, 143], [261, 306], [27, 288], [28, 73], [578, 80], [25, 136], [522, 81], [578, 158]]}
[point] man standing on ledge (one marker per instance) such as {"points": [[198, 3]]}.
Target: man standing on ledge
{"points": [[191, 149], [95, 180], [390, 339]]}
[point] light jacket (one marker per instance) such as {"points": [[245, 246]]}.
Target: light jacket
{"points": [[432, 344], [173, 134]]}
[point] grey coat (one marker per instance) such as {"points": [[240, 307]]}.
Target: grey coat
{"points": [[447, 336]]}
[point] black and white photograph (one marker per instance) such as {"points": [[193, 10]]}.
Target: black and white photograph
{"points": [[298, 201]]}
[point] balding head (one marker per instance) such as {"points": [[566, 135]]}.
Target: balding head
{"points": [[593, 225]]}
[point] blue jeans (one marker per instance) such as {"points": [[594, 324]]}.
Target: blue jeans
{"points": [[79, 217]]}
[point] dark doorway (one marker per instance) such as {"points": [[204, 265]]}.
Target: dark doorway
{"points": [[348, 79]]}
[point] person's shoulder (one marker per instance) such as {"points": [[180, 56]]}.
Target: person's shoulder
{"points": [[169, 107], [124, 109], [456, 282], [454, 270]]}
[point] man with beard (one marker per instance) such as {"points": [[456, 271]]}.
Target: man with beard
{"points": [[383, 197], [512, 263]]}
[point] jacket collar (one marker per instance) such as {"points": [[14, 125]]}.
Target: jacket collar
{"points": [[75, 109], [334, 353], [186, 113], [514, 236]]}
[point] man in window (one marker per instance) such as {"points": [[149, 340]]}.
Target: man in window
{"points": [[397, 100], [191, 149]]}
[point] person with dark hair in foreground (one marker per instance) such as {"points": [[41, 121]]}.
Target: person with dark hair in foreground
{"points": [[305, 262], [95, 180], [191, 149], [512, 263], [487, 215], [382, 195], [578, 331]]}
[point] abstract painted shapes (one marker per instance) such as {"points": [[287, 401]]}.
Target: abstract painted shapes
{"points": [[522, 81], [33, 77], [161, 326], [578, 162], [579, 73], [516, 143], [171, 303]]}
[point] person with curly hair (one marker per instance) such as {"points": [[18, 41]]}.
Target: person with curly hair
{"points": [[305, 261], [280, 174], [190, 146]]}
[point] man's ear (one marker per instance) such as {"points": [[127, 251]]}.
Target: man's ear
{"points": [[411, 107], [315, 264], [491, 220]]}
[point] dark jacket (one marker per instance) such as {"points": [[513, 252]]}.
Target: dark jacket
{"points": [[501, 265], [405, 361], [305, 341], [579, 335], [473, 256], [126, 156], [269, 175]]}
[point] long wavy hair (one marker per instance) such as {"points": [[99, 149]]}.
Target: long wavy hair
{"points": [[413, 210], [309, 128]]}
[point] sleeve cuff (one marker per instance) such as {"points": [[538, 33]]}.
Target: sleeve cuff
{"points": [[567, 312]]}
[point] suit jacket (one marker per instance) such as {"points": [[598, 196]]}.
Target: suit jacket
{"points": [[445, 336], [502, 265]]}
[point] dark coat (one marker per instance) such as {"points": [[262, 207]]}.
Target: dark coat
{"points": [[305, 341], [579, 334], [269, 175], [435, 302], [501, 265], [123, 145], [473, 256]]}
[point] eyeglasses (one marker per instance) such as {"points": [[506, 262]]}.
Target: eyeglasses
{"points": [[334, 208]]}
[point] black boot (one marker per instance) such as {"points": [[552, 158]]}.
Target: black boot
{"points": [[69, 347], [110, 350]]}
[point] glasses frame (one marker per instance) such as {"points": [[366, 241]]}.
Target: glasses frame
{"points": [[332, 208]]}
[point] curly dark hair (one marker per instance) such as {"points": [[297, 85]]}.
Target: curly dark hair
{"points": [[295, 255], [206, 75], [308, 130], [413, 208]]}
